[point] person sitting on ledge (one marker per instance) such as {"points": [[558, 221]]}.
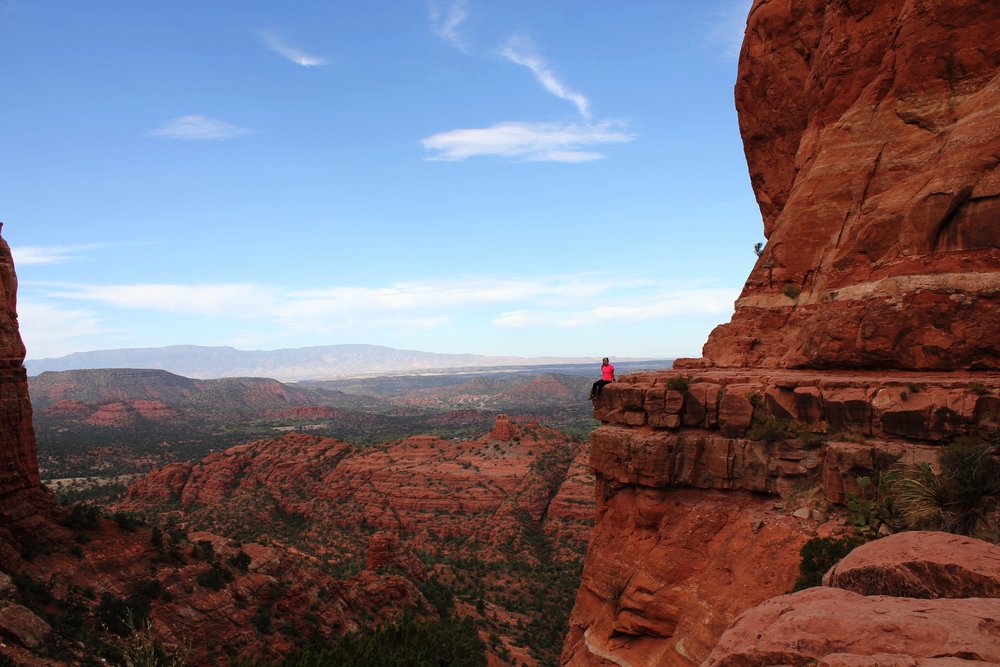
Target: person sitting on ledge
{"points": [[607, 377]]}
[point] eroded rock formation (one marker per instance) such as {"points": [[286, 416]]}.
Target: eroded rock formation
{"points": [[954, 615], [493, 515], [18, 458], [872, 133], [868, 334]]}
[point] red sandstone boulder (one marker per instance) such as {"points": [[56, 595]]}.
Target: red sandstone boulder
{"points": [[921, 564], [24, 625], [843, 628]]}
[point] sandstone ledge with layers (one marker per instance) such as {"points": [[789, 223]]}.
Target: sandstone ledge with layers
{"points": [[695, 520]]}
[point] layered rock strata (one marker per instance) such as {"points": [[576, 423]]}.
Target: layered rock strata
{"points": [[697, 478], [867, 334], [872, 134]]}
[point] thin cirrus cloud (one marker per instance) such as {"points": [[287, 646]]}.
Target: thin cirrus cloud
{"points": [[519, 141], [26, 255], [527, 142], [520, 51], [544, 301], [196, 127], [236, 300], [676, 303], [289, 52], [726, 27], [447, 18], [49, 330]]}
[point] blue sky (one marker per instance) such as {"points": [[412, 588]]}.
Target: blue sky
{"points": [[520, 177]]}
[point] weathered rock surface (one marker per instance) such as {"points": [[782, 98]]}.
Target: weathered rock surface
{"points": [[766, 430], [494, 515], [668, 570], [503, 429], [841, 628], [723, 434], [921, 564], [18, 455], [868, 333], [916, 598], [427, 487], [877, 179]]}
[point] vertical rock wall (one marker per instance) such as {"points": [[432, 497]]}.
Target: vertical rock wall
{"points": [[18, 457], [872, 135], [867, 334]]}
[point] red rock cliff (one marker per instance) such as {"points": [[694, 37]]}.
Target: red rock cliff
{"points": [[18, 458], [872, 134], [867, 334]]}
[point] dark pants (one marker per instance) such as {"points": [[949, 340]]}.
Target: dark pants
{"points": [[598, 387]]}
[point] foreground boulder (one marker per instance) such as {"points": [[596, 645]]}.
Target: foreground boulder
{"points": [[927, 596], [921, 564], [838, 627]]}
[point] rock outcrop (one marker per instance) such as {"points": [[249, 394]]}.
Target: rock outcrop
{"points": [[867, 335], [921, 564], [928, 597], [686, 538], [18, 456], [872, 136], [503, 429]]}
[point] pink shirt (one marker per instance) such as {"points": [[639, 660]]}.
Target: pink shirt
{"points": [[608, 373]]}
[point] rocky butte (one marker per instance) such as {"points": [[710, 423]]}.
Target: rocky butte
{"points": [[868, 334]]}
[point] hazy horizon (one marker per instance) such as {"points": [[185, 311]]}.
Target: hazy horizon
{"points": [[309, 363]]}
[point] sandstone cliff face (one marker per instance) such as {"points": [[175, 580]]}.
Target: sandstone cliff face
{"points": [[18, 457], [872, 133], [868, 334], [687, 538]]}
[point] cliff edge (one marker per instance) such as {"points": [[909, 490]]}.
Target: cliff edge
{"points": [[871, 135], [866, 337]]}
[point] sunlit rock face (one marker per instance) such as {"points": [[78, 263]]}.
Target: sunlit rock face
{"points": [[872, 135], [917, 598], [868, 334]]}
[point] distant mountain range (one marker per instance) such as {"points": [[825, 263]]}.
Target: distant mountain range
{"points": [[324, 362], [287, 365]]}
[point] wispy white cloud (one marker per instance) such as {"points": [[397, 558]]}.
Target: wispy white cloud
{"points": [[198, 128], [25, 255], [664, 304], [528, 142], [545, 301], [57, 319], [726, 27], [519, 50], [50, 331], [289, 52], [237, 301], [446, 18]]}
